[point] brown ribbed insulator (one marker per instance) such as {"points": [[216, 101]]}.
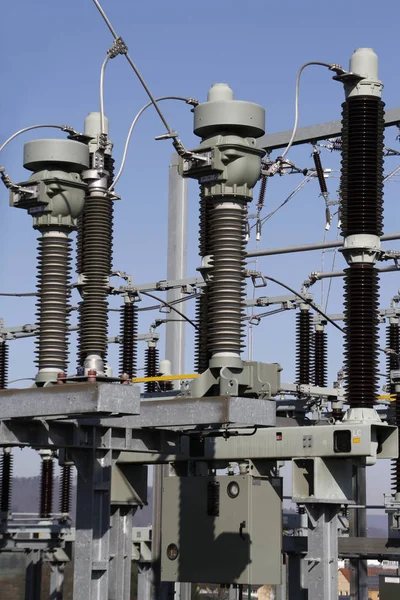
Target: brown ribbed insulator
{"points": [[46, 488], [393, 364], [320, 172], [151, 368], [201, 349], [225, 289], [65, 489], [94, 260], [361, 287], [303, 347], [362, 165], [320, 359], [7, 460], [3, 365], [362, 213], [53, 275], [128, 339]]}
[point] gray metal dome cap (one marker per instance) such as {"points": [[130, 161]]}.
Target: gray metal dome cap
{"points": [[65, 155], [222, 115]]}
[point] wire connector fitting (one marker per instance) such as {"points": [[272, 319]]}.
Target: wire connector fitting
{"points": [[118, 47]]}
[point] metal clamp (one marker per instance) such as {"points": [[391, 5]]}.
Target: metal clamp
{"points": [[118, 47]]}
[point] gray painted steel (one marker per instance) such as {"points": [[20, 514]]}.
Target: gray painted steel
{"points": [[313, 133], [309, 247]]}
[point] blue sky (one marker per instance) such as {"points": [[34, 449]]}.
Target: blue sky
{"points": [[51, 57]]}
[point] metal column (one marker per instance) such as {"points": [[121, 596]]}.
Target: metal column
{"points": [[56, 580], [176, 263], [321, 562], [358, 528], [145, 584], [119, 582], [33, 575], [174, 351], [92, 536]]}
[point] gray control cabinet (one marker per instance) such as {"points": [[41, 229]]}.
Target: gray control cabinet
{"points": [[389, 587], [222, 529]]}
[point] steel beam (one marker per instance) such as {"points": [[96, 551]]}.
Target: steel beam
{"points": [[310, 247], [314, 133], [66, 399]]}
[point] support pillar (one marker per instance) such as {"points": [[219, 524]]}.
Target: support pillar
{"points": [[145, 584], [120, 553], [320, 571], [33, 575], [358, 528], [92, 536], [176, 264], [56, 580]]}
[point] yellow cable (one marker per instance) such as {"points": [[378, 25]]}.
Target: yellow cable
{"points": [[165, 378]]}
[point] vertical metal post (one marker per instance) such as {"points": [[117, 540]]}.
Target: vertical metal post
{"points": [[176, 263], [145, 585], [174, 347], [33, 577], [92, 536], [119, 583], [358, 528], [296, 590], [56, 580], [321, 561], [281, 590]]}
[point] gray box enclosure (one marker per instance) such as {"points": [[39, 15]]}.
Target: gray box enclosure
{"points": [[219, 538]]}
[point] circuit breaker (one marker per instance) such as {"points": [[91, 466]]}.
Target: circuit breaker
{"points": [[222, 529]]}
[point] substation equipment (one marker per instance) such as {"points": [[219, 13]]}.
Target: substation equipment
{"points": [[216, 528]]}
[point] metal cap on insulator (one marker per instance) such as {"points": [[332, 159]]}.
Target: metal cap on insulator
{"points": [[223, 115], [50, 154], [92, 125], [364, 66]]}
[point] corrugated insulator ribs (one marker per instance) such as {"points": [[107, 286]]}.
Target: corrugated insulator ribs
{"points": [[303, 347], [393, 363], [53, 290], [96, 267], [6, 480], [362, 166], [320, 359], [46, 488], [227, 240], [320, 172], [128, 339], [362, 213], [361, 344], [201, 350], [151, 367], [3, 365], [66, 491]]}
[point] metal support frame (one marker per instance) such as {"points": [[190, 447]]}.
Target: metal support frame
{"points": [[358, 528], [314, 133], [33, 576], [92, 535], [56, 580], [119, 583], [320, 566]]}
